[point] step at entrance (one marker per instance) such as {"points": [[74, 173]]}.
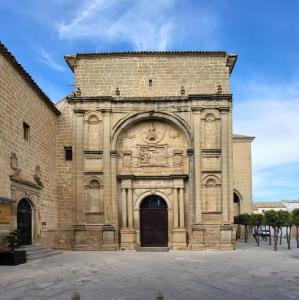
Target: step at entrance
{"points": [[153, 249], [38, 251]]}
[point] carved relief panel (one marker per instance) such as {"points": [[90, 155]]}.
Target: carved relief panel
{"points": [[152, 147], [211, 130]]}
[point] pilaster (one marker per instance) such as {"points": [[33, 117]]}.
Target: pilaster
{"points": [[225, 165], [78, 191], [197, 165], [107, 166]]}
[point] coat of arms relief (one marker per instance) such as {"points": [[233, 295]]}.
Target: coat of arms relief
{"points": [[153, 147]]}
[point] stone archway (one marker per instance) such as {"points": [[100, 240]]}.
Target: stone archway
{"points": [[24, 221], [237, 208], [154, 222]]}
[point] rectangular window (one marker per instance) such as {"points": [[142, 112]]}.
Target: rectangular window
{"points": [[68, 153], [26, 131]]}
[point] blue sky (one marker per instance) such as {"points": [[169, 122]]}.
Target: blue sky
{"points": [[265, 81]]}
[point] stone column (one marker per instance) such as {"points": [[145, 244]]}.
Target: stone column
{"points": [[130, 208], [78, 151], [127, 233], [197, 164], [182, 208], [179, 236], [175, 208], [225, 165], [107, 166], [114, 198], [124, 208]]}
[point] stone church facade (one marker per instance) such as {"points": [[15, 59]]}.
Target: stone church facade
{"points": [[141, 154]]}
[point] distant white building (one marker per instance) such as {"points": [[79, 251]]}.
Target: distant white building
{"points": [[287, 205], [262, 207], [291, 204]]}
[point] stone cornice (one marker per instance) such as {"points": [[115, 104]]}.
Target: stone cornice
{"points": [[245, 138], [172, 176], [200, 97]]}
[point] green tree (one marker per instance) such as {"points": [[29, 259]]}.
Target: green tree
{"points": [[245, 220], [256, 220], [238, 232], [295, 220], [276, 219], [288, 225]]}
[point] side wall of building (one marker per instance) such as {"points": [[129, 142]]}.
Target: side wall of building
{"points": [[242, 172], [19, 158]]}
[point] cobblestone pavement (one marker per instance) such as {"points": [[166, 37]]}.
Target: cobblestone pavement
{"points": [[247, 273]]}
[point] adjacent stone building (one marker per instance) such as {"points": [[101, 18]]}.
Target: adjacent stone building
{"points": [[142, 154]]}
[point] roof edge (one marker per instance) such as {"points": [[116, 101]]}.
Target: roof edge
{"points": [[243, 137], [26, 76], [72, 58]]}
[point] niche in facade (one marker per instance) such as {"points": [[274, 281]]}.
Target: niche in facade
{"points": [[211, 190], [92, 133], [211, 131], [94, 196]]}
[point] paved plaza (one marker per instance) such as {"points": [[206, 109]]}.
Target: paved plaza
{"points": [[247, 273]]}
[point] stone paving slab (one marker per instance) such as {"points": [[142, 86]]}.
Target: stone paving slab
{"points": [[247, 273]]}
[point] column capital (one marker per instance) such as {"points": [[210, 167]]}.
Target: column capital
{"points": [[113, 153], [190, 152], [196, 109], [106, 111], [224, 110], [79, 111]]}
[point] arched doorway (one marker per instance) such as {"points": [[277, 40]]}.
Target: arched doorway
{"points": [[24, 221], [154, 222], [236, 204]]}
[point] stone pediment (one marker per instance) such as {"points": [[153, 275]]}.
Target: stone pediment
{"points": [[18, 179]]}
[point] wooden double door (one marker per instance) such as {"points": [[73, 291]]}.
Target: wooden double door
{"points": [[24, 222], [154, 222]]}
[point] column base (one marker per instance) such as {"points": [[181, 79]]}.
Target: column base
{"points": [[179, 239], [227, 237], [109, 238], [127, 238], [198, 238]]}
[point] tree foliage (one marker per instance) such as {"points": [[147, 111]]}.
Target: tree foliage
{"points": [[245, 219], [277, 220], [295, 219]]}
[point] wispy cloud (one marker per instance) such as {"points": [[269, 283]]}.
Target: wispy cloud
{"points": [[270, 113], [47, 59], [147, 25]]}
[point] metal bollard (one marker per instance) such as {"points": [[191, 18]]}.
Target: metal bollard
{"points": [[75, 296]]}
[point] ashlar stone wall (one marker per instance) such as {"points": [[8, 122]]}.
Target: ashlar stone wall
{"points": [[151, 75], [28, 167]]}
